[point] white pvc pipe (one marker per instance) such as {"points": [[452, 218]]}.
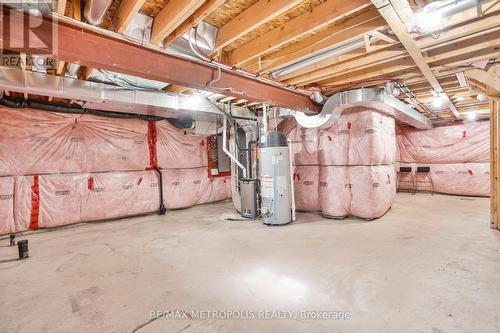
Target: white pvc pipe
{"points": [[292, 188], [228, 153]]}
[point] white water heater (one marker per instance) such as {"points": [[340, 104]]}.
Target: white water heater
{"points": [[275, 179]]}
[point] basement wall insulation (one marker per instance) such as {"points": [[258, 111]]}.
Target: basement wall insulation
{"points": [[458, 157], [58, 169]]}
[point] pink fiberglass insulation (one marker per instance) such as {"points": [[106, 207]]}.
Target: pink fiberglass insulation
{"points": [[188, 187], [184, 187], [359, 137], [463, 143], [306, 187], [346, 169], [23, 196], [117, 194], [7, 205], [363, 191], [456, 178], [175, 149], [61, 199], [304, 143], [72, 198], [52, 142], [220, 189]]}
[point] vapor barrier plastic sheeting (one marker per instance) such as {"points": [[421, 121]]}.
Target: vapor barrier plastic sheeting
{"points": [[346, 169], [359, 137], [363, 191], [188, 187], [457, 178], [465, 143], [72, 198], [39, 142], [175, 149], [306, 187], [7, 205]]}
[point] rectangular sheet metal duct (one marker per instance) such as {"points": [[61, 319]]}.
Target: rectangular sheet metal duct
{"points": [[103, 96]]}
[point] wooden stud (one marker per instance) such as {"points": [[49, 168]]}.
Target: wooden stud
{"points": [[494, 164]]}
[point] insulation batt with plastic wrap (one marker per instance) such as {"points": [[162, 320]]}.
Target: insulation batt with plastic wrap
{"points": [[58, 169], [346, 169], [457, 155]]}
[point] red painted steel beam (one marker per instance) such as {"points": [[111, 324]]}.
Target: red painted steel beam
{"points": [[98, 48]]}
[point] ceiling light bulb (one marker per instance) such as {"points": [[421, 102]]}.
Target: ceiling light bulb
{"points": [[460, 98], [471, 116], [437, 102], [428, 20], [481, 97], [439, 99]]}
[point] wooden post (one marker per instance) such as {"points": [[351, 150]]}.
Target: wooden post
{"points": [[494, 166]]}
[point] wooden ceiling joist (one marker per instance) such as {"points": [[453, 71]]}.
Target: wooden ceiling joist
{"points": [[77, 10], [125, 12], [176, 89], [342, 63], [331, 66], [338, 33], [319, 16], [259, 13], [61, 7], [171, 17], [392, 11], [491, 79], [199, 15], [388, 70]]}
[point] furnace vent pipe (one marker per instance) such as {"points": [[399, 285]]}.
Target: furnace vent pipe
{"points": [[227, 152]]}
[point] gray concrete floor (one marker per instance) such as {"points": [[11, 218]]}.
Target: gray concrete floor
{"points": [[432, 264]]}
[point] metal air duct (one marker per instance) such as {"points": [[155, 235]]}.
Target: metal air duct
{"points": [[95, 10], [372, 98], [101, 96]]}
